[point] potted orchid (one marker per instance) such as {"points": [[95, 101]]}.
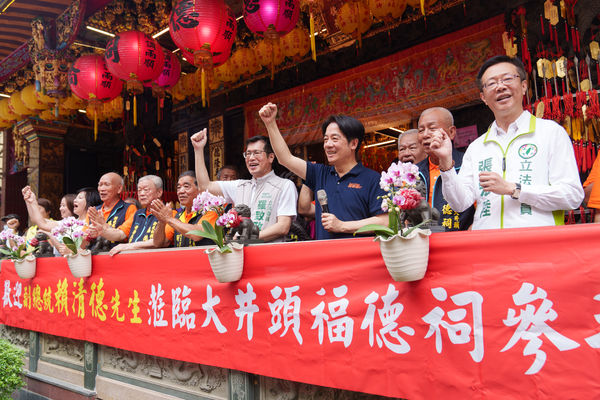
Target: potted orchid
{"points": [[227, 259], [14, 248], [70, 232], [404, 245]]}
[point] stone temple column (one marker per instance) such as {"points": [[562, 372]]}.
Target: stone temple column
{"points": [[45, 171]]}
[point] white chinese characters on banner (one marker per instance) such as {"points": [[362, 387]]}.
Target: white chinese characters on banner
{"points": [[211, 315], [181, 304], [460, 332], [157, 316], [594, 340], [6, 296], [286, 312], [388, 315], [340, 327], [532, 324], [246, 309]]}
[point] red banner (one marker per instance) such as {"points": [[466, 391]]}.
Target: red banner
{"points": [[507, 313], [389, 91]]}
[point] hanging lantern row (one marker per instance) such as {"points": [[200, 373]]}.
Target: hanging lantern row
{"points": [[205, 29]]}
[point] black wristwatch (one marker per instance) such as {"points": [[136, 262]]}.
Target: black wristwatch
{"points": [[517, 192]]}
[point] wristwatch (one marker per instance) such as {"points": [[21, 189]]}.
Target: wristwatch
{"points": [[517, 192]]}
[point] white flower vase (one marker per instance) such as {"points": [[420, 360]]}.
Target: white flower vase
{"points": [[227, 267], [80, 264], [406, 257], [26, 267]]}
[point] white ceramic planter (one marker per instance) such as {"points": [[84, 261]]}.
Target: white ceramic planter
{"points": [[26, 267], [406, 257], [227, 267], [80, 264]]}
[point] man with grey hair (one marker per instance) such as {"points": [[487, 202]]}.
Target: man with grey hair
{"points": [[409, 148], [227, 173], [430, 121], [138, 230]]}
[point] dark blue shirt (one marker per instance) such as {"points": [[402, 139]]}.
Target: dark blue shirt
{"points": [[351, 198]]}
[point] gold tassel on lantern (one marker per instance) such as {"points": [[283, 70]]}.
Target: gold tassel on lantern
{"points": [[203, 86], [423, 7], [313, 47], [134, 110]]}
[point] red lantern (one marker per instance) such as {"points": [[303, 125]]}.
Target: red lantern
{"points": [[167, 79], [135, 58], [206, 28], [90, 79], [170, 73], [269, 17]]}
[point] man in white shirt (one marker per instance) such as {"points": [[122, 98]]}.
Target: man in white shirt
{"points": [[522, 171], [272, 200]]}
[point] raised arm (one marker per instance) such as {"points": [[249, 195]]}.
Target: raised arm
{"points": [[306, 208], [268, 113], [34, 211], [204, 183]]}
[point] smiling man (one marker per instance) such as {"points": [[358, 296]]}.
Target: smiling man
{"points": [[522, 171], [137, 229], [173, 229], [351, 188], [272, 200]]}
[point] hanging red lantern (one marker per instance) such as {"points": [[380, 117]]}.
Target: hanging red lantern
{"points": [[270, 17], [171, 71], [167, 79], [206, 28], [90, 79], [135, 58]]}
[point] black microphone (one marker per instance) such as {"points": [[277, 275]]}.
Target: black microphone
{"points": [[322, 197]]}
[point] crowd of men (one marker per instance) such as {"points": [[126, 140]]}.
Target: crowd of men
{"points": [[520, 173]]}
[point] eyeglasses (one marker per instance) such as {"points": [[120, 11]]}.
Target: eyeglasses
{"points": [[255, 153], [505, 80]]}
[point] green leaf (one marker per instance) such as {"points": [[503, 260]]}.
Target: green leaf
{"points": [[412, 228], [207, 232], [70, 244], [6, 252], [379, 230], [393, 221], [219, 232]]}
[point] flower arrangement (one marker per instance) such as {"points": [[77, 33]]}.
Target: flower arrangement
{"points": [[400, 182], [206, 202], [70, 232], [13, 247]]}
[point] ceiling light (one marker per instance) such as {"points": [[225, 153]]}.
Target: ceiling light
{"points": [[91, 28], [160, 33], [176, 50], [8, 5], [381, 143], [82, 111], [396, 129], [4, 95], [240, 17]]}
